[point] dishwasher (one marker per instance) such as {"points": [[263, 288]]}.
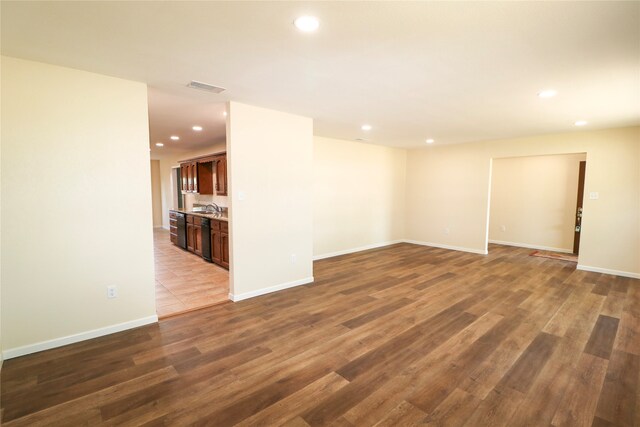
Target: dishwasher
{"points": [[205, 226]]}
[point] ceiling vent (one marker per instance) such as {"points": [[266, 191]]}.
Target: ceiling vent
{"points": [[205, 86]]}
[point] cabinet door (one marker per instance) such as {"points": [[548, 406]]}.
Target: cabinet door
{"points": [[221, 175], [190, 238], [197, 246], [216, 248], [224, 244], [194, 176], [184, 176]]}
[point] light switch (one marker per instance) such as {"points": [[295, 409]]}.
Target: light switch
{"points": [[594, 195], [241, 195]]}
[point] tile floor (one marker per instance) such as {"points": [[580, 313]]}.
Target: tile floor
{"points": [[184, 281]]}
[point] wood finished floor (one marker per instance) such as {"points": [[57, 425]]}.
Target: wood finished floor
{"points": [[397, 336], [184, 281]]}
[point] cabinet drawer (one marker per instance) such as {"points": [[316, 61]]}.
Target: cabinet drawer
{"points": [[174, 238], [215, 224], [190, 219], [173, 222], [172, 215], [173, 229], [224, 226], [197, 220]]}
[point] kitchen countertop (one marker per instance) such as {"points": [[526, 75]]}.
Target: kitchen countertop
{"points": [[219, 217]]}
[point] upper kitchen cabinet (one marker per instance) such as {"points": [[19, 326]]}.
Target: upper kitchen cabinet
{"points": [[221, 174], [197, 174]]}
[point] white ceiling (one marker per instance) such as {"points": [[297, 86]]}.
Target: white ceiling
{"points": [[456, 72], [171, 114]]}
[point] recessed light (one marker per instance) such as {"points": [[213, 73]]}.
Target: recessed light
{"points": [[430, 141], [307, 23], [175, 138], [197, 128], [547, 93], [224, 114], [581, 123], [366, 127], [159, 144]]}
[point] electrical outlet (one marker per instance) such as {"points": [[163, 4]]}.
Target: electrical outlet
{"points": [[594, 195], [446, 230], [294, 258], [112, 291], [503, 228]]}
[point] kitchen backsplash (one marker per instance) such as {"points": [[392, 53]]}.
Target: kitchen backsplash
{"points": [[201, 199]]}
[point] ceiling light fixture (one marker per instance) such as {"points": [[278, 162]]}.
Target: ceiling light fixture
{"points": [[224, 114], [307, 23], [430, 141], [197, 128], [547, 93], [366, 127], [159, 144], [175, 138], [581, 123]]}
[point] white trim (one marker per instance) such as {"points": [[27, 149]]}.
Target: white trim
{"points": [[263, 291], [525, 245], [453, 248], [82, 336], [608, 271], [359, 249]]}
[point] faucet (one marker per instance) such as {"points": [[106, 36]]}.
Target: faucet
{"points": [[215, 207]]}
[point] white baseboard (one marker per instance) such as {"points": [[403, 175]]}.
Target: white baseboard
{"points": [[358, 249], [453, 248], [528, 246], [280, 287], [608, 271], [82, 336]]}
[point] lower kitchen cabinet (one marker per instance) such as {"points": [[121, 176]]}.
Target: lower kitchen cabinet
{"points": [[220, 243]]}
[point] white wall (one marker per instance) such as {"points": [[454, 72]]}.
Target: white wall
{"points": [[270, 160], [533, 201], [448, 187], [358, 196], [76, 206], [156, 194]]}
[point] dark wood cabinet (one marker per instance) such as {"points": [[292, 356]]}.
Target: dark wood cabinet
{"points": [[197, 235], [173, 228], [220, 243], [197, 174], [184, 173], [221, 174], [219, 238]]}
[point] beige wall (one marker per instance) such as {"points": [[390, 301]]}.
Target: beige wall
{"points": [[168, 196], [448, 188], [533, 201], [270, 160], [76, 206], [156, 194], [358, 196]]}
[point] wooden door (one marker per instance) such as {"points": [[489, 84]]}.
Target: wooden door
{"points": [[216, 249], [194, 176], [190, 237], [184, 175], [224, 243], [197, 239], [578, 226], [221, 176]]}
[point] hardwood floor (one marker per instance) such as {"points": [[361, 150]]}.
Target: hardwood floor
{"points": [[184, 281], [395, 336]]}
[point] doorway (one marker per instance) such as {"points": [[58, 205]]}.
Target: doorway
{"points": [[536, 202]]}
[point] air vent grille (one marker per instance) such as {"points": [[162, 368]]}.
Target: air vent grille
{"points": [[205, 86]]}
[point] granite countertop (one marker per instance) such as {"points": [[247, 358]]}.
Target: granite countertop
{"points": [[218, 216]]}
